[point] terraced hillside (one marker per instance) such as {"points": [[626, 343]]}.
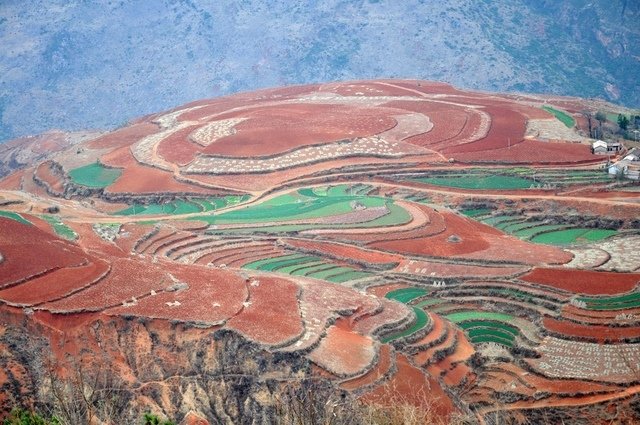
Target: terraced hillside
{"points": [[401, 241]]}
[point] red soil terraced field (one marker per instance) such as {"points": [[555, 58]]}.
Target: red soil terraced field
{"points": [[584, 281], [344, 251], [189, 310], [507, 126], [596, 333], [533, 152], [466, 238], [278, 129], [137, 178]]}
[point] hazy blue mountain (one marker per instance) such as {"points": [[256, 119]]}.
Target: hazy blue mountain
{"points": [[92, 64]]}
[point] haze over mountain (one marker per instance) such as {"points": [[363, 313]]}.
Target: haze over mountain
{"points": [[76, 65]]}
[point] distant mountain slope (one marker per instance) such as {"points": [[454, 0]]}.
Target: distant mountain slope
{"points": [[74, 64]]}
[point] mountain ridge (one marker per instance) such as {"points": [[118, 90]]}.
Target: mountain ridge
{"points": [[77, 66]]}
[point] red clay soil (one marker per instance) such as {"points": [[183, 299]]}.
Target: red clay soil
{"points": [[124, 136], [90, 241], [278, 129], [557, 386], [534, 152], [130, 234], [13, 181], [584, 281], [381, 369], [177, 149], [343, 351], [44, 173], [392, 312], [138, 178], [411, 385], [272, 318], [593, 316], [344, 251], [596, 333], [507, 127], [212, 297], [29, 251], [452, 366], [55, 285], [439, 326]]}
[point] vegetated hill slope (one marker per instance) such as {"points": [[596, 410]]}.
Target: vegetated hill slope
{"points": [[76, 65]]}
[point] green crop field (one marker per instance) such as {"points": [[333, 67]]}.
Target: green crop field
{"points": [[483, 330], [527, 232], [421, 321], [479, 181], [620, 302], [565, 118], [478, 315], [405, 295], [569, 236], [59, 227], [477, 212], [94, 175], [309, 266], [195, 205], [14, 216]]}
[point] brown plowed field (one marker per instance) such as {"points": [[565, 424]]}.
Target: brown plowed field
{"points": [[584, 281]]}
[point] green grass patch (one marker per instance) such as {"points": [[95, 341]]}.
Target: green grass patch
{"points": [[94, 175], [406, 295], [565, 118], [422, 319], [59, 227], [14, 216], [569, 236], [480, 182]]}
